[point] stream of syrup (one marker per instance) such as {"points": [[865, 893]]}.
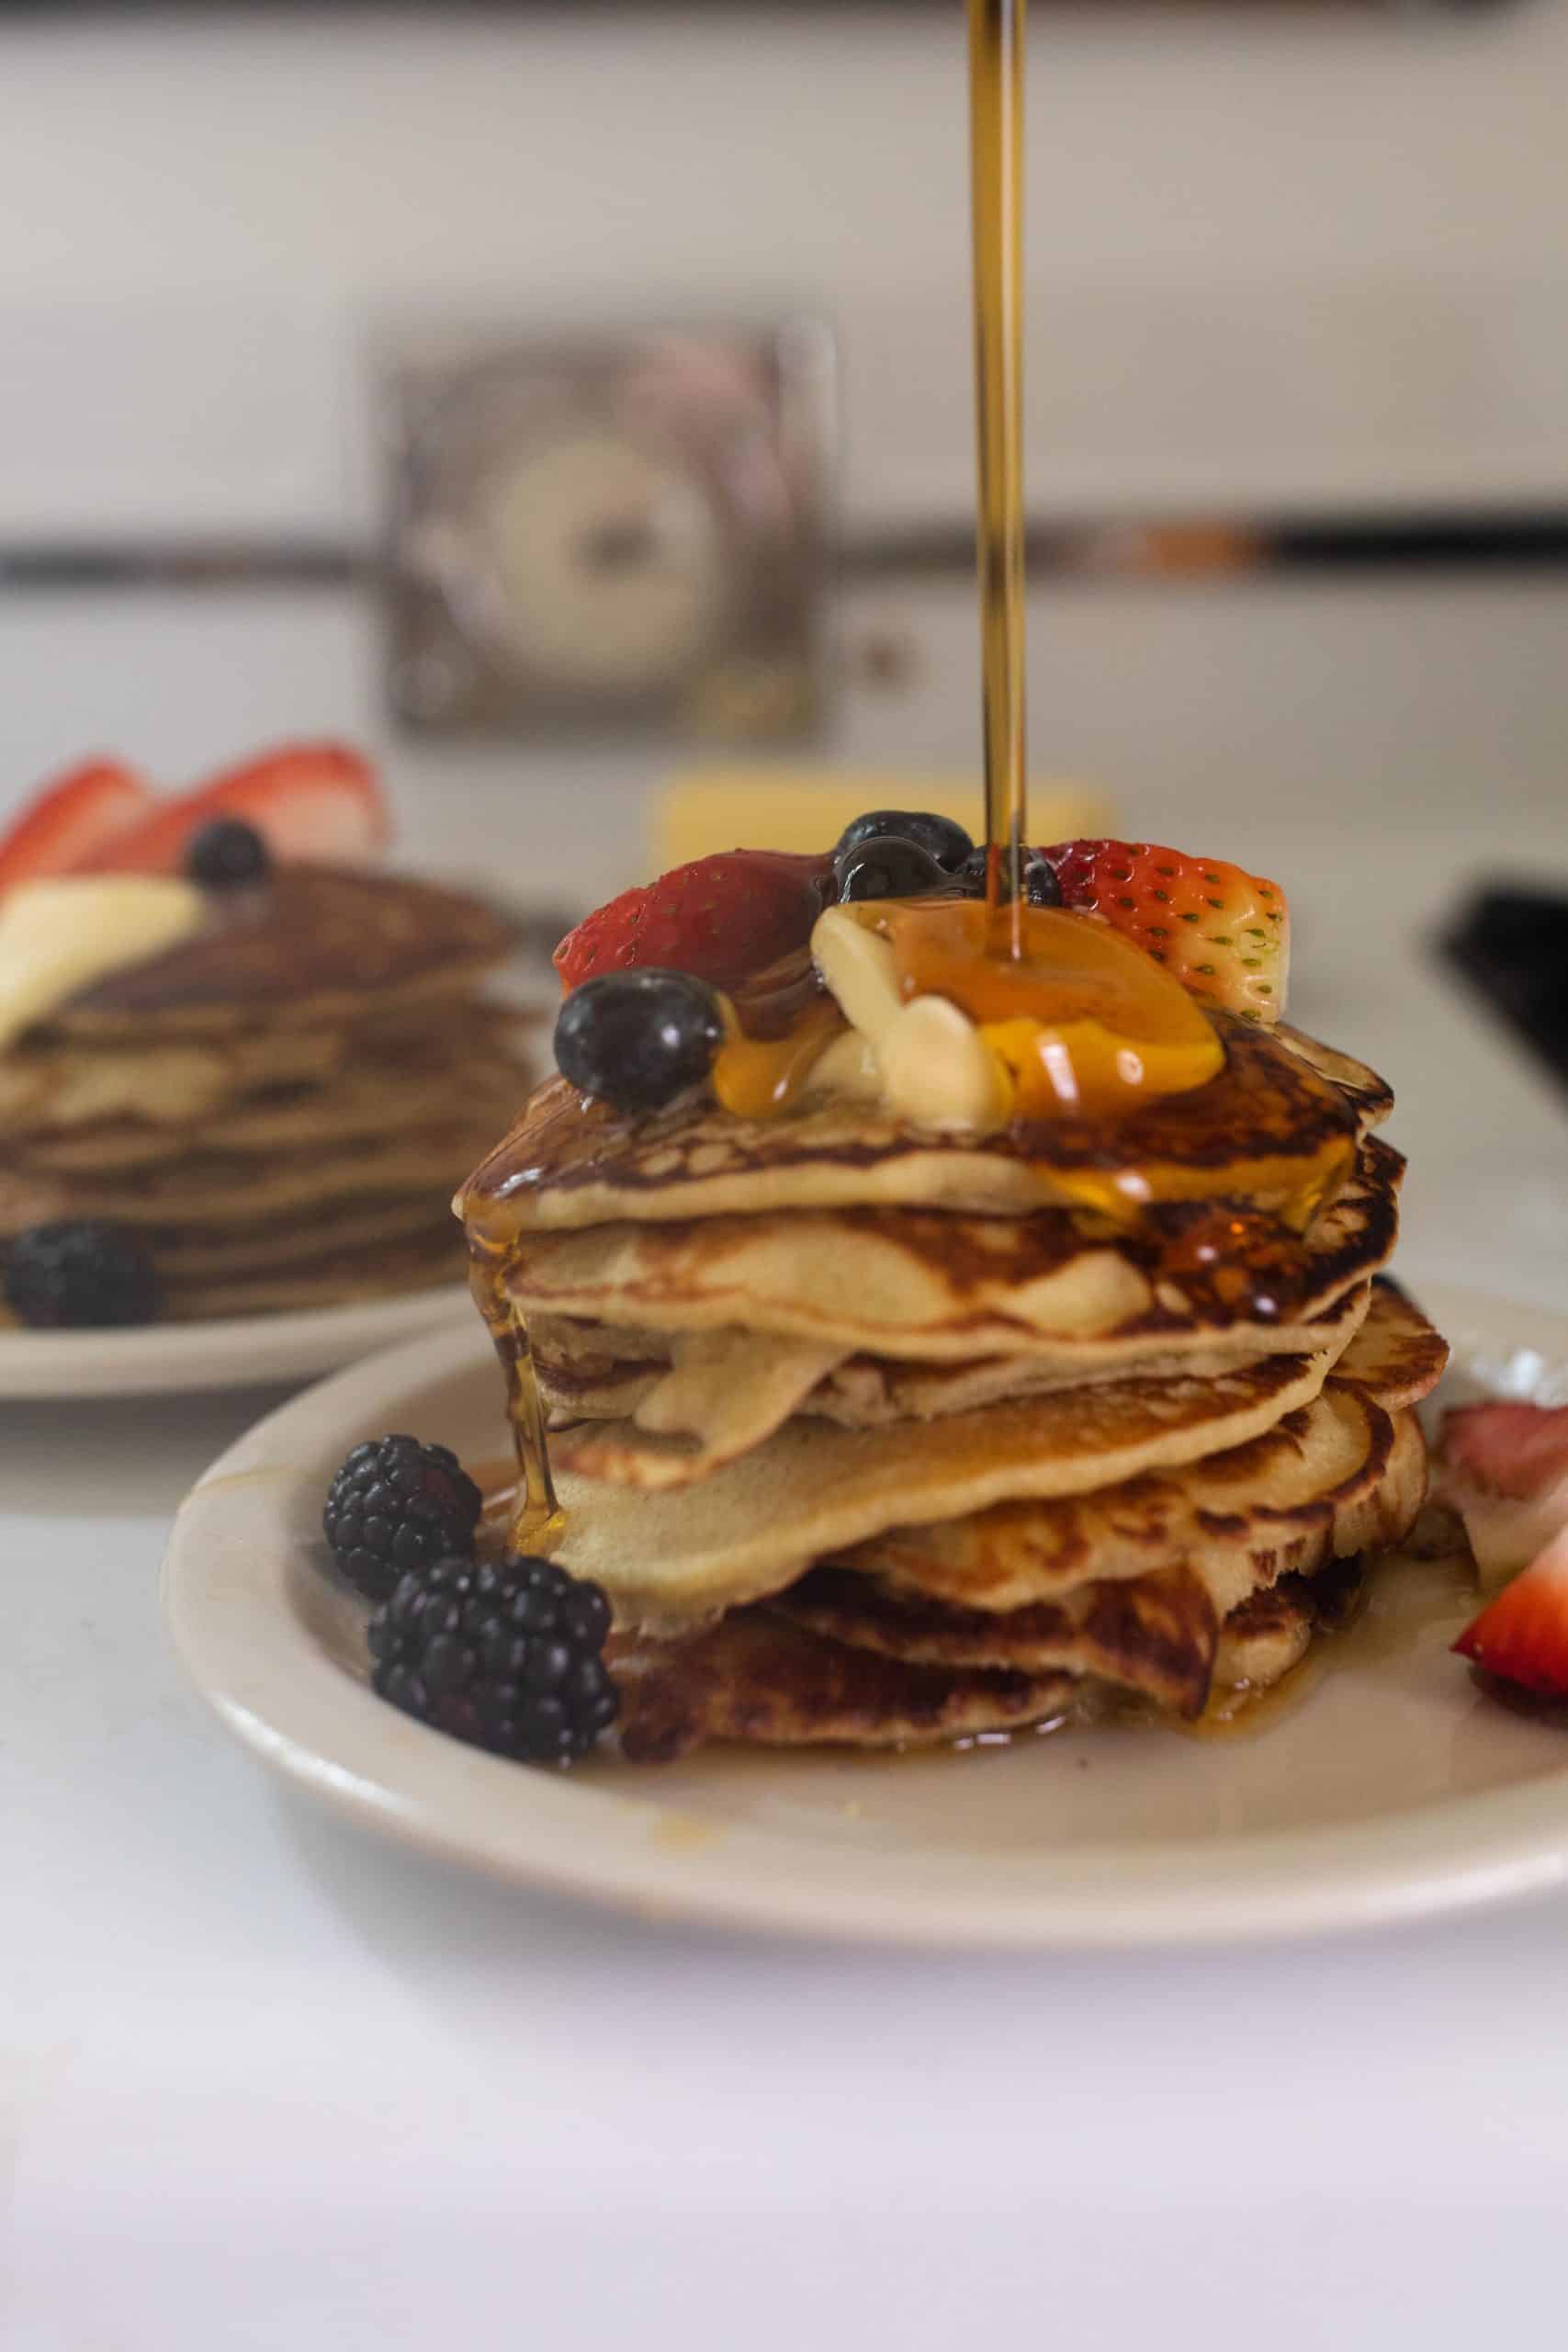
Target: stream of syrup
{"points": [[996, 157], [996, 124]]}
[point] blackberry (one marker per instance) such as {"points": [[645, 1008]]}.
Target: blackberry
{"points": [[227, 855], [938, 836], [886, 866], [395, 1505], [1040, 885], [79, 1277], [638, 1039], [505, 1653]]}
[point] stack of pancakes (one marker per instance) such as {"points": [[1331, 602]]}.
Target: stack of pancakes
{"points": [[278, 1106], [877, 1437]]}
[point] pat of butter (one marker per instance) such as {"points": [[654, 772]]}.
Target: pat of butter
{"points": [[57, 938]]}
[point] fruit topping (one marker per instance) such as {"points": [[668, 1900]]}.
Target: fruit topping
{"points": [[307, 800], [227, 855], [397, 1505], [939, 1072], [71, 820], [507, 1655], [1224, 934], [721, 918], [883, 866], [947, 844], [1041, 888], [1080, 1020], [1522, 1635], [79, 1277], [60, 935], [638, 1039], [1504, 1468]]}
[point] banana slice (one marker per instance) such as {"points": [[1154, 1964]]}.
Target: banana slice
{"points": [[860, 970], [938, 1071]]}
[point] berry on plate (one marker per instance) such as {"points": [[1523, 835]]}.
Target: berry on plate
{"points": [[638, 1039], [228, 855], [1522, 1635], [1222, 934], [70, 821], [506, 1654], [79, 1277], [306, 800], [396, 1504], [721, 918]]}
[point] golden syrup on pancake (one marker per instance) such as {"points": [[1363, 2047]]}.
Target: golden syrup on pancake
{"points": [[757, 1077], [540, 1521], [995, 164]]}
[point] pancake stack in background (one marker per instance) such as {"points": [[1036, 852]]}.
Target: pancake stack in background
{"points": [[273, 1109], [879, 1437]]}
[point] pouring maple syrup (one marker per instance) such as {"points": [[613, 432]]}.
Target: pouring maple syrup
{"points": [[996, 161]]}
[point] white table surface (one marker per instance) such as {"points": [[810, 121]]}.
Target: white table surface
{"points": [[265, 2081]]}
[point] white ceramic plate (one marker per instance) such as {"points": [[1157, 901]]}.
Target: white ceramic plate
{"points": [[1391, 1789], [245, 1351]]}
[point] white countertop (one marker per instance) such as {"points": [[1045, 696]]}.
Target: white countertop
{"points": [[268, 2083]]}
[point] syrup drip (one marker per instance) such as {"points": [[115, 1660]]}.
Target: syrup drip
{"points": [[540, 1521], [996, 149]]}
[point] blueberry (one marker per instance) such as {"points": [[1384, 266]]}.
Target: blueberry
{"points": [[938, 836], [1041, 888], [79, 1277], [227, 855], [886, 867], [638, 1039]]}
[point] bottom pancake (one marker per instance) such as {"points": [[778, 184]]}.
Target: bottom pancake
{"points": [[759, 1679]]}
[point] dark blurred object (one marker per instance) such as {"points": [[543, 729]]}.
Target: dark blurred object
{"points": [[1511, 946]]}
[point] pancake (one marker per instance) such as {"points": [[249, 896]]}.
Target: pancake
{"points": [[215, 1189], [725, 1391], [1346, 1473], [1156, 1632], [1270, 1126], [938, 1287], [320, 1277], [318, 944], [667, 1555], [758, 1679]]}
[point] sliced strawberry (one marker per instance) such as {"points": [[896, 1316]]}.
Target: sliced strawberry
{"points": [[1504, 1469], [1514, 1449], [721, 918], [72, 818], [307, 800], [1222, 934], [1523, 1635]]}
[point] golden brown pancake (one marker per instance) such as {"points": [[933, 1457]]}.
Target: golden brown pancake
{"points": [[1216, 1278], [758, 1679], [1266, 1126], [279, 1107], [318, 943]]}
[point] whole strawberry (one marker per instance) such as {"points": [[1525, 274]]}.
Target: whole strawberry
{"points": [[1224, 933], [721, 918]]}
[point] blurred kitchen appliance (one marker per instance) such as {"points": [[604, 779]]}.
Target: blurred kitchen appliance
{"points": [[601, 527]]}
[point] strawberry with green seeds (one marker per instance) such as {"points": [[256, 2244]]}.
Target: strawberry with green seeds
{"points": [[1224, 933]]}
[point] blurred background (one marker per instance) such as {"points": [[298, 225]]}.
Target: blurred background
{"points": [[556, 398]]}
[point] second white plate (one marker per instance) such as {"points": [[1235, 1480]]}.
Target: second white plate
{"points": [[246, 1351], [1391, 1788]]}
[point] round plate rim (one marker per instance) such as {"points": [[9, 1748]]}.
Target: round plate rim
{"points": [[333, 1738], [232, 1352]]}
